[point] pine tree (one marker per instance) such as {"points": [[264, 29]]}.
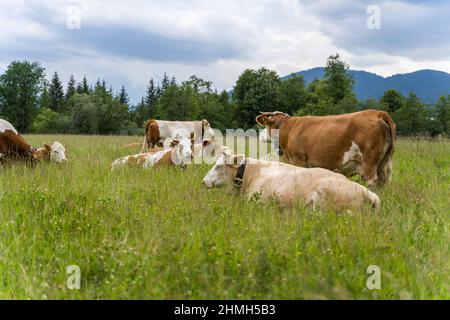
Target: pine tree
{"points": [[165, 83], [123, 96], [151, 97], [83, 87], [45, 98], [71, 89], [56, 93]]}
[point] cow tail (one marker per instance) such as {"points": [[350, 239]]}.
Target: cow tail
{"points": [[390, 150]]}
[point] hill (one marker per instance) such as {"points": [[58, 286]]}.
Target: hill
{"points": [[429, 85]]}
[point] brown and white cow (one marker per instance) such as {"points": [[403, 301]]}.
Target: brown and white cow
{"points": [[359, 143], [289, 184], [14, 147], [180, 154], [157, 131]]}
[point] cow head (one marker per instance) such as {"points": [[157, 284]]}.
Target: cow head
{"points": [[207, 131], [271, 121], [54, 153], [224, 171], [182, 151]]}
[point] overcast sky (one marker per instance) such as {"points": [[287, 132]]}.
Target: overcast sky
{"points": [[128, 42]]}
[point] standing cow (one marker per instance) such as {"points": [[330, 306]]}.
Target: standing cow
{"points": [[359, 143], [157, 131], [14, 147]]}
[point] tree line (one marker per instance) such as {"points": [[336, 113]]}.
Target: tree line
{"points": [[34, 104]]}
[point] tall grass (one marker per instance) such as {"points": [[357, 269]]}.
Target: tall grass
{"points": [[158, 234]]}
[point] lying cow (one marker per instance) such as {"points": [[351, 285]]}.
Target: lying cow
{"points": [[358, 143], [179, 155], [156, 131], [14, 147], [289, 184]]}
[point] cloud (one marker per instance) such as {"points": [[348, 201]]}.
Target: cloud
{"points": [[130, 43]]}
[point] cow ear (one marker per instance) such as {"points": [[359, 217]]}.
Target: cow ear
{"points": [[262, 120], [47, 147]]}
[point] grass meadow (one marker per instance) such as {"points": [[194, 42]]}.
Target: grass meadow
{"points": [[159, 234]]}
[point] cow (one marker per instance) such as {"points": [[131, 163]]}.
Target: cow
{"points": [[360, 143], [156, 131], [14, 147], [54, 153], [314, 187], [179, 155]]}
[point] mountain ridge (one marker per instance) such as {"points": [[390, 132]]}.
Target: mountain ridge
{"points": [[428, 84]]}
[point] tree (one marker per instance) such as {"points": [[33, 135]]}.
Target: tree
{"points": [[150, 99], [71, 88], [339, 96], [123, 96], [83, 87], [45, 97], [256, 91], [97, 113], [392, 100], [140, 114], [20, 88], [411, 118], [339, 84], [441, 116], [44, 121], [56, 93], [165, 83], [293, 94]]}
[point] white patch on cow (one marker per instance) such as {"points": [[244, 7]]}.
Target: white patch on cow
{"points": [[167, 144], [5, 125], [58, 153], [209, 133], [351, 154], [217, 176], [182, 153], [264, 135]]}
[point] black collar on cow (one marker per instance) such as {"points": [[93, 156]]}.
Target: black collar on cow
{"points": [[239, 179]]}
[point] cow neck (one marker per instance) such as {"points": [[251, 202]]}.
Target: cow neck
{"points": [[239, 179]]}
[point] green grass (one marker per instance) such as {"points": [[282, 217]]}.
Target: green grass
{"points": [[158, 234]]}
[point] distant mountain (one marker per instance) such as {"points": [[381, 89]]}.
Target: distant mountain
{"points": [[429, 85]]}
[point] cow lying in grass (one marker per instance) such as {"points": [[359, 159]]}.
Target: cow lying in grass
{"points": [[13, 147], [180, 154], [288, 184]]}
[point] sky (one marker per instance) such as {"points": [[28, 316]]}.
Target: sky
{"points": [[129, 42]]}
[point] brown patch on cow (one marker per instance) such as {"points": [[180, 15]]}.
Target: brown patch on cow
{"points": [[136, 160], [14, 147], [42, 154], [165, 161], [152, 134]]}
